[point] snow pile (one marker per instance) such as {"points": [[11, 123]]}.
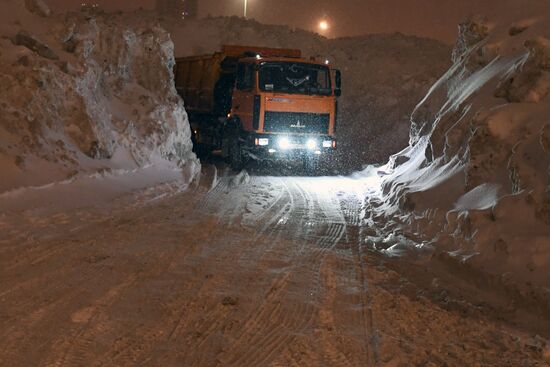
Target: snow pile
{"points": [[85, 93], [474, 184], [384, 76]]}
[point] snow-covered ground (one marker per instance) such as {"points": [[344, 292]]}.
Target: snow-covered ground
{"points": [[86, 95], [473, 188], [241, 270]]}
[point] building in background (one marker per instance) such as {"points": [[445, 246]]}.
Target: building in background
{"points": [[178, 8]]}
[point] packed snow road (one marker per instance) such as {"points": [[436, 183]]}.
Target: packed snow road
{"points": [[238, 271]]}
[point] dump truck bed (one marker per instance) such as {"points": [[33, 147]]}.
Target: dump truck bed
{"points": [[196, 79]]}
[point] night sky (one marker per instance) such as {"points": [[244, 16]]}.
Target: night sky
{"points": [[430, 18]]}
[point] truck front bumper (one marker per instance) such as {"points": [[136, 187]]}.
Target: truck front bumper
{"points": [[288, 146]]}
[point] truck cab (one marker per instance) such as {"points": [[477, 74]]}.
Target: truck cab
{"points": [[277, 105]]}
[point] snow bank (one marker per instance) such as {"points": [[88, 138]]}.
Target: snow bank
{"points": [[92, 189], [384, 76], [474, 184], [85, 92]]}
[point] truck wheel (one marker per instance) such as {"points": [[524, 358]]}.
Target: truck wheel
{"points": [[236, 156]]}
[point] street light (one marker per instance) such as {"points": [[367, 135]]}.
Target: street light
{"points": [[323, 25]]}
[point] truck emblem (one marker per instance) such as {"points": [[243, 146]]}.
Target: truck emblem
{"points": [[282, 100], [298, 125]]}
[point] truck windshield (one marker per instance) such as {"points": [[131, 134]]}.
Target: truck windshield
{"points": [[297, 78]]}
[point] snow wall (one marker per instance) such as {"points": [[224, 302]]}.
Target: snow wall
{"points": [[84, 93], [473, 187]]}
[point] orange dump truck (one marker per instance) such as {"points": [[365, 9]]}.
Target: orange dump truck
{"points": [[262, 103]]}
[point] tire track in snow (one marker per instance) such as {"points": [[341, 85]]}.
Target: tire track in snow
{"points": [[272, 327], [76, 349], [331, 234], [352, 208], [271, 335], [210, 200], [336, 230], [337, 216], [303, 225], [262, 327], [272, 232], [257, 217], [328, 340]]}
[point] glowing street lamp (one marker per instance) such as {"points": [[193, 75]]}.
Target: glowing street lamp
{"points": [[324, 26]]}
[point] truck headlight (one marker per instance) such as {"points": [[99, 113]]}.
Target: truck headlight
{"points": [[311, 144], [327, 144], [263, 142], [284, 143]]}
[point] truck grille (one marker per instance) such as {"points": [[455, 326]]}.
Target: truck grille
{"points": [[296, 122]]}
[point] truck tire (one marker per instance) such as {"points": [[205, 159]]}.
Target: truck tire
{"points": [[236, 155], [231, 144]]}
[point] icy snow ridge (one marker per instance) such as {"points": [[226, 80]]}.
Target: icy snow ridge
{"points": [[474, 182], [85, 92]]}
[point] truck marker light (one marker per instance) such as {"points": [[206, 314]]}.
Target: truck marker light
{"points": [[334, 144], [284, 143], [327, 144], [311, 144]]}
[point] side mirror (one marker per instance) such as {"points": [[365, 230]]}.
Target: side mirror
{"points": [[338, 83]]}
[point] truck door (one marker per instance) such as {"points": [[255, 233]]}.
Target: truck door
{"points": [[243, 96]]}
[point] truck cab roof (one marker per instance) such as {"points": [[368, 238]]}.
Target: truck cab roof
{"points": [[261, 60]]}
